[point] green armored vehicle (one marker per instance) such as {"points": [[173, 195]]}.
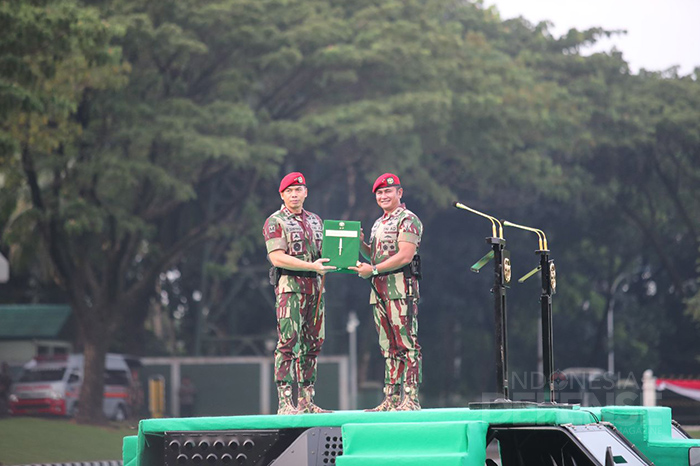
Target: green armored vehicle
{"points": [[528, 436]]}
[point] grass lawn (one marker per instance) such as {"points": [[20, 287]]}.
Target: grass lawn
{"points": [[26, 440]]}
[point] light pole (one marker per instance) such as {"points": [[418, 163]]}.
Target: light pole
{"points": [[548, 275], [501, 273], [351, 328], [611, 333], [4, 269]]}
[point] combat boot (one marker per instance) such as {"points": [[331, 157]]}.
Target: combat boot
{"points": [[286, 402], [306, 401], [392, 398], [410, 398]]}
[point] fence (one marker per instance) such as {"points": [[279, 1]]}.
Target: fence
{"points": [[238, 385]]}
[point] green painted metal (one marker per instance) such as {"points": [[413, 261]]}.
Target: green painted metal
{"points": [[427, 419], [450, 436], [649, 429], [478, 265], [456, 443], [130, 450]]}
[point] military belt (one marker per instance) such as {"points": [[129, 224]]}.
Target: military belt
{"points": [[298, 273], [405, 269]]}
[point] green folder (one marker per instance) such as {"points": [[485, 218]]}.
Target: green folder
{"points": [[341, 244]]}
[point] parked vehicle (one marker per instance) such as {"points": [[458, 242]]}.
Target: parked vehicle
{"points": [[52, 386]]}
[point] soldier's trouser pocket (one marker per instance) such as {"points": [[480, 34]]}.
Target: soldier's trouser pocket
{"points": [[283, 312], [288, 314], [285, 325], [287, 305]]}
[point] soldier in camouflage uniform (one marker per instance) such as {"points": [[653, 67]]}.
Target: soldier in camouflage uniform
{"points": [[293, 238], [394, 241]]}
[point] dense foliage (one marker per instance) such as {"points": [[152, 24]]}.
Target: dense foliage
{"points": [[141, 143]]}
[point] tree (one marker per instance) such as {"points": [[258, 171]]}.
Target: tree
{"points": [[143, 146], [112, 172], [55, 54]]}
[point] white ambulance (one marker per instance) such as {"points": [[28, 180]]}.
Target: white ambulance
{"points": [[52, 386]]}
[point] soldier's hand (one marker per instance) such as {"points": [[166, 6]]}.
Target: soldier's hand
{"points": [[363, 269], [320, 268]]}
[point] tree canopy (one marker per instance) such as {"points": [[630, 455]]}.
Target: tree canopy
{"points": [[141, 142]]}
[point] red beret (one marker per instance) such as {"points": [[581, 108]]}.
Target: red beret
{"points": [[387, 180], [294, 178]]}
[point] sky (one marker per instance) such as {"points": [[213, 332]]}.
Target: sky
{"points": [[660, 33]]}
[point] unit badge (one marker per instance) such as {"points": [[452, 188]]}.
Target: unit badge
{"points": [[507, 269], [553, 276]]}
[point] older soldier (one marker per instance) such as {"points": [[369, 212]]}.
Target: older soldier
{"points": [[393, 244], [293, 238]]}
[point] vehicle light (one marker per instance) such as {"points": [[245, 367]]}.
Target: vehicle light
{"points": [[55, 395], [13, 398], [694, 456]]}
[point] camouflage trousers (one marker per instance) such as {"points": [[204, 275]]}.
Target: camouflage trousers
{"points": [[398, 341], [300, 337]]}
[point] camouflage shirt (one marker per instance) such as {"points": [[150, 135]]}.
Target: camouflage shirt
{"points": [[387, 231], [299, 235]]}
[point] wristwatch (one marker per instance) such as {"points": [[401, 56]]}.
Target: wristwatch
{"points": [[375, 272]]}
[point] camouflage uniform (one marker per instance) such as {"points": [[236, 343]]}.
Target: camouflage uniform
{"points": [[398, 338], [300, 332]]}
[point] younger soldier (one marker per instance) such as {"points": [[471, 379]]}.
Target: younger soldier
{"points": [[393, 243], [293, 238]]}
